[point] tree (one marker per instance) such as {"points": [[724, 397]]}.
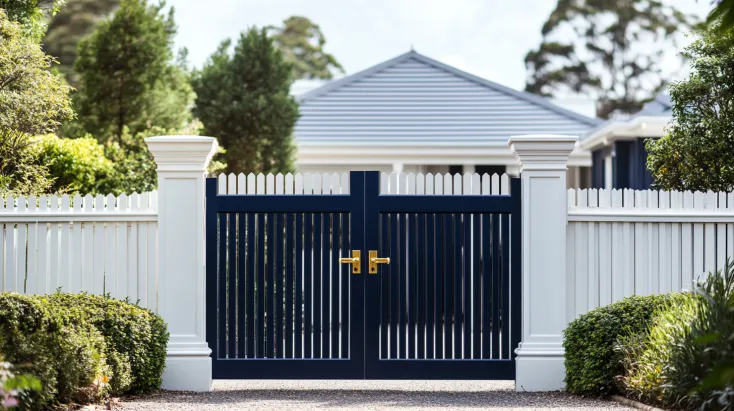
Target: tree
{"points": [[31, 14], [76, 20], [302, 44], [244, 101], [617, 55], [128, 77], [32, 101], [696, 153]]}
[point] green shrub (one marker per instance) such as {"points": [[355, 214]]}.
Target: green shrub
{"points": [[592, 364], [67, 359], [74, 164], [687, 343], [136, 338]]}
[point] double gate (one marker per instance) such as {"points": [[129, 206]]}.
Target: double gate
{"points": [[363, 285]]}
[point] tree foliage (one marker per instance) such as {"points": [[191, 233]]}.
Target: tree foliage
{"points": [[76, 20], [128, 77], [243, 99], [696, 153], [302, 44], [616, 54], [32, 101], [76, 164], [31, 14]]}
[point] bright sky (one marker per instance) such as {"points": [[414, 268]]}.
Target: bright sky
{"points": [[488, 38]]}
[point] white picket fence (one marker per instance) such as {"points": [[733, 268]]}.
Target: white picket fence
{"points": [[625, 242], [390, 183], [96, 244]]}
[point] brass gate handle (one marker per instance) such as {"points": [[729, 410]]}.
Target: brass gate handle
{"points": [[374, 260], [354, 261]]}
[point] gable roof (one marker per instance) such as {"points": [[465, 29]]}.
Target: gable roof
{"points": [[414, 99]]}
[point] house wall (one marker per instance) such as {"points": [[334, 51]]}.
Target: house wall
{"points": [[628, 166]]}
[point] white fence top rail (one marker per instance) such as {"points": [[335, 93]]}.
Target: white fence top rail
{"points": [[136, 207]]}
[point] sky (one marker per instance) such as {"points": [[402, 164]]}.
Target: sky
{"points": [[488, 38]]}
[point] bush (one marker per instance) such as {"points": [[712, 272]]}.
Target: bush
{"points": [[592, 364], [74, 164], [688, 343]]}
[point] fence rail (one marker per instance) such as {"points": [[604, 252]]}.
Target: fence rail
{"points": [[102, 244], [625, 242]]}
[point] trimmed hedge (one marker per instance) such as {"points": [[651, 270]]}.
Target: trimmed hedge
{"points": [[592, 362], [81, 347]]}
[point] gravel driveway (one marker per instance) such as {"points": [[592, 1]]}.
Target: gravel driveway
{"points": [[364, 395]]}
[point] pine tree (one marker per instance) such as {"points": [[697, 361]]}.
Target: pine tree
{"points": [[128, 77], [243, 99], [302, 44]]}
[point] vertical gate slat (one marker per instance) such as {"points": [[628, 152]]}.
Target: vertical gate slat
{"points": [[495, 287], [394, 286], [411, 300], [334, 312], [438, 287], [260, 286], [476, 288], [316, 304], [384, 249], [486, 285], [430, 279], [308, 250], [421, 256], [403, 276], [289, 306], [222, 280], [345, 279], [278, 268], [457, 287], [466, 278], [448, 287], [241, 299], [325, 285], [298, 315], [515, 276], [232, 289], [269, 286], [505, 278], [251, 284]]}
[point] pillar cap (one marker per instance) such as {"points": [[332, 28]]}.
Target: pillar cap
{"points": [[543, 151], [182, 153]]}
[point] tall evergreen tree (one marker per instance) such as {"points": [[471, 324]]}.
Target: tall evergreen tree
{"points": [[616, 56], [76, 20], [128, 77], [244, 100], [302, 44]]}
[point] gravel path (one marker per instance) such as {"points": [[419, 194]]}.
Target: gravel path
{"points": [[365, 395]]}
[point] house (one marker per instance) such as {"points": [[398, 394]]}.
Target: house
{"points": [[415, 114], [618, 149]]}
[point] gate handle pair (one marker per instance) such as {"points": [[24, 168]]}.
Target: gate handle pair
{"points": [[356, 258]]}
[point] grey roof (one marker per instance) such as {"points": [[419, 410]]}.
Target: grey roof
{"points": [[660, 106], [414, 99]]}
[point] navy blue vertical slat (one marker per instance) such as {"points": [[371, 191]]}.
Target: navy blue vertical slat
{"points": [[270, 287], [476, 250], [251, 255], [326, 287], [495, 286], [394, 286], [298, 290], [334, 311], [448, 288], [241, 281], [411, 318], [260, 286], [222, 331], [403, 267], [516, 264], [317, 276], [486, 285], [212, 274], [278, 284], [344, 278], [457, 287], [382, 270], [421, 256], [430, 280], [289, 257], [466, 278], [308, 287], [232, 287], [438, 281], [505, 279]]}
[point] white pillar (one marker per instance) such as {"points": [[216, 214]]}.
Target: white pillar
{"points": [[542, 161], [468, 168], [397, 167], [182, 162]]}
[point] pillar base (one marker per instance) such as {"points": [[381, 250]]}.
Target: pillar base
{"points": [[188, 373], [539, 371]]}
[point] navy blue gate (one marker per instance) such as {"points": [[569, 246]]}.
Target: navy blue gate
{"points": [[434, 294]]}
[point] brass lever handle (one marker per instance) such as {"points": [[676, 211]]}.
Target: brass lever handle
{"points": [[380, 260], [354, 260], [349, 260]]}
